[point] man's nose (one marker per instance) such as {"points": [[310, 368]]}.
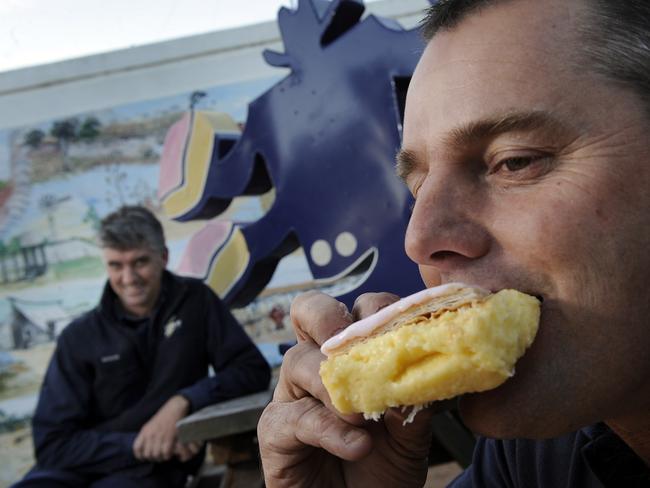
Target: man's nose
{"points": [[445, 230], [129, 276]]}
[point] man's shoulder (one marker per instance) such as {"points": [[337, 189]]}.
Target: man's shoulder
{"points": [[531, 463], [82, 325], [191, 282], [194, 286]]}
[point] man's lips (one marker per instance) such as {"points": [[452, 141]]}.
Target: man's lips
{"points": [[496, 287], [134, 292]]}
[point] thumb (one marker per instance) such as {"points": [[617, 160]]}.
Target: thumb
{"points": [[412, 436]]}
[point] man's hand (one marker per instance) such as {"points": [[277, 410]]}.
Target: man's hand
{"points": [[305, 442], [157, 441], [185, 452]]}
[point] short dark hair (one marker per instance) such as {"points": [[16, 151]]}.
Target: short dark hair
{"points": [[130, 227], [447, 14], [616, 37]]}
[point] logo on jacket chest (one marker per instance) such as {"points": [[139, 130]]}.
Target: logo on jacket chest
{"points": [[171, 326]]}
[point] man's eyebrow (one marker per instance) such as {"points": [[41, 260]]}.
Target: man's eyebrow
{"points": [[405, 163], [461, 137], [464, 136]]}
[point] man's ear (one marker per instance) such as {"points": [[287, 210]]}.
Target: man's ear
{"points": [[165, 256]]}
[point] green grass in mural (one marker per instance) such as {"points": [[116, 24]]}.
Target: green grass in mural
{"points": [[86, 267], [13, 389]]}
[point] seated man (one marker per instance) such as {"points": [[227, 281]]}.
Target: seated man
{"points": [[124, 373]]}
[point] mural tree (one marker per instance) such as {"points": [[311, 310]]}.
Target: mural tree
{"points": [[90, 129], [65, 132], [34, 138], [196, 97]]}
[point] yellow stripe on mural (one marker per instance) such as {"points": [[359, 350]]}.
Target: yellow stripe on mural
{"points": [[198, 156], [230, 264]]}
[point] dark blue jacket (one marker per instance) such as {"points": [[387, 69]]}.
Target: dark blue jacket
{"points": [[593, 457], [106, 379]]}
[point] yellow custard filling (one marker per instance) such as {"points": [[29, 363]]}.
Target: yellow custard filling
{"points": [[473, 348]]}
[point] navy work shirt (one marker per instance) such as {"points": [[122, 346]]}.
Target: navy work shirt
{"points": [[594, 457]]}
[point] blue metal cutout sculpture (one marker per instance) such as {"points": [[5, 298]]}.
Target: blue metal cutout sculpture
{"points": [[324, 139]]}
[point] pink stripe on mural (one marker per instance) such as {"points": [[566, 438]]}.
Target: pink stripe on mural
{"points": [[202, 248], [171, 161]]}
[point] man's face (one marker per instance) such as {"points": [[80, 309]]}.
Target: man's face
{"points": [[531, 173], [135, 276]]}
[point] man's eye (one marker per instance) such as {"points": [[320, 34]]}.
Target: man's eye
{"points": [[516, 164], [529, 166]]}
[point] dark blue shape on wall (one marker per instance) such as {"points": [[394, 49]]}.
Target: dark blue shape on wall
{"points": [[324, 138]]}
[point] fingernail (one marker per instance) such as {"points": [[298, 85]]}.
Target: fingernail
{"points": [[346, 312], [353, 437]]}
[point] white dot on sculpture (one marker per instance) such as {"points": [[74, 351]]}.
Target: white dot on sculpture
{"points": [[346, 244], [321, 252]]}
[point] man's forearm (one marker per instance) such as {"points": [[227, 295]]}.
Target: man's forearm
{"points": [[231, 382], [84, 451]]}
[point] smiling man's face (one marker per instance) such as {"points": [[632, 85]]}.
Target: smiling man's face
{"points": [[135, 275], [531, 173]]}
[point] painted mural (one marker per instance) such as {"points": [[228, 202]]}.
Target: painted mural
{"points": [[58, 178]]}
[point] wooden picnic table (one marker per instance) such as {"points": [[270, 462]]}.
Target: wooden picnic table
{"points": [[224, 419]]}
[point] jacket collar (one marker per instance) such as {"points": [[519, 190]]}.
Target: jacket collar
{"points": [[611, 460], [172, 291]]}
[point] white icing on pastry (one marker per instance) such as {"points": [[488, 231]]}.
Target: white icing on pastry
{"points": [[365, 327]]}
